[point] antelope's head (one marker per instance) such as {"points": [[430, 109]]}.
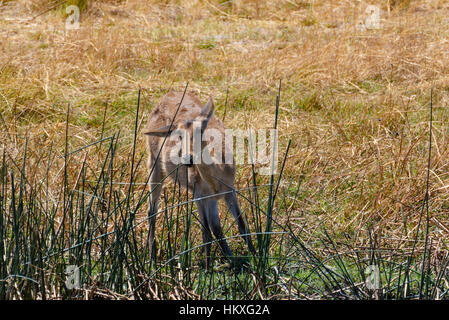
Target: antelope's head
{"points": [[187, 133]]}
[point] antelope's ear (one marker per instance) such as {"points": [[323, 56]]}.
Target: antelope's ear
{"points": [[160, 132], [207, 113], [208, 109]]}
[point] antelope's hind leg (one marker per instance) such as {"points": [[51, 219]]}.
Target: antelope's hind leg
{"points": [[215, 227], [233, 206]]}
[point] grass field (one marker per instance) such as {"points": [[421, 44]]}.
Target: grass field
{"points": [[355, 105]]}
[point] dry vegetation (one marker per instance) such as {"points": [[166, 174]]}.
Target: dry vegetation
{"points": [[355, 102]]}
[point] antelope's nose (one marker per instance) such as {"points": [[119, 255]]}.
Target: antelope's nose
{"points": [[187, 160]]}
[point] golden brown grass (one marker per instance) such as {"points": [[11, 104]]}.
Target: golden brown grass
{"points": [[354, 102]]}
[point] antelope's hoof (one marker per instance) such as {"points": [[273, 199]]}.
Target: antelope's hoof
{"points": [[240, 264]]}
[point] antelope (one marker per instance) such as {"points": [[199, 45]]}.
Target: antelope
{"points": [[178, 112]]}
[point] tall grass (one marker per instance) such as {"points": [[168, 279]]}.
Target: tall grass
{"points": [[94, 225]]}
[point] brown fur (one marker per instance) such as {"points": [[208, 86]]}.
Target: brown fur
{"points": [[213, 181]]}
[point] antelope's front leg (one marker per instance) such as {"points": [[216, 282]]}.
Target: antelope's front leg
{"points": [[215, 227], [155, 193], [207, 236]]}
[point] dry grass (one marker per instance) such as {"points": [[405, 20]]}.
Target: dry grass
{"points": [[354, 102]]}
